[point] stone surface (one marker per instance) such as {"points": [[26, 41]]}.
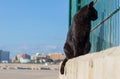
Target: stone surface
{"points": [[100, 65]]}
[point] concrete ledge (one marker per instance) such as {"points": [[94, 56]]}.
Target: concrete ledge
{"points": [[99, 65]]}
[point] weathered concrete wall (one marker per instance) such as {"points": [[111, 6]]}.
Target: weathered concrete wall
{"points": [[99, 65]]}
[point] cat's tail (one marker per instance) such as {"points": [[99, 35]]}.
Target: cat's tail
{"points": [[63, 66]]}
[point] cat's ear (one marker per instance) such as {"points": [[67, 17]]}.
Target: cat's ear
{"points": [[91, 4]]}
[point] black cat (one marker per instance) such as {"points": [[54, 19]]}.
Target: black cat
{"points": [[77, 42]]}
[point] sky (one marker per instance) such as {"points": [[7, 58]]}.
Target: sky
{"points": [[32, 24]]}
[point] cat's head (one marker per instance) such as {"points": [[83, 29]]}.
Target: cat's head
{"points": [[92, 12]]}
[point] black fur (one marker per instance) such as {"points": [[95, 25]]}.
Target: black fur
{"points": [[77, 42]]}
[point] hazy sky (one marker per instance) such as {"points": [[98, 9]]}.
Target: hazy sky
{"points": [[33, 22]]}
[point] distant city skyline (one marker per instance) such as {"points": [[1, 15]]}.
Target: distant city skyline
{"points": [[33, 24], [32, 50]]}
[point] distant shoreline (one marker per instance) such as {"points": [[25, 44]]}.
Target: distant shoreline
{"points": [[17, 66]]}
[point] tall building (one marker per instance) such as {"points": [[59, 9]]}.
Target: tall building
{"points": [[106, 29], [4, 56]]}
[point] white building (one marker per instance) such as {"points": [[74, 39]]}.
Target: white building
{"points": [[4, 56], [23, 60]]}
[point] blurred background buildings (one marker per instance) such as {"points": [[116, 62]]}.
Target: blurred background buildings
{"points": [[4, 56]]}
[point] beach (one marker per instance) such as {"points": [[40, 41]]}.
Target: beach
{"points": [[43, 73]]}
